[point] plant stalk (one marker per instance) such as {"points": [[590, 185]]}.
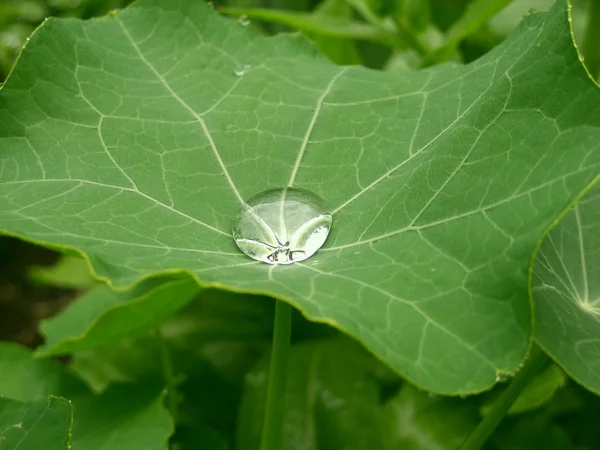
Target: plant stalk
{"points": [[168, 374], [273, 422], [533, 365]]}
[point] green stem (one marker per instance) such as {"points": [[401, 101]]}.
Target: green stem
{"points": [[273, 424], [590, 48], [536, 362], [168, 373]]}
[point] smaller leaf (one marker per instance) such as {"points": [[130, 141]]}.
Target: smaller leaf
{"points": [[126, 361], [69, 272], [24, 378], [41, 424], [125, 417], [537, 393], [103, 316], [566, 291]]}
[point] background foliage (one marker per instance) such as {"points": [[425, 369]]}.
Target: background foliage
{"points": [[169, 357]]}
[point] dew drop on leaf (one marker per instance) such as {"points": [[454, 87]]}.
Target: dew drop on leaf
{"points": [[244, 20], [240, 71], [282, 226]]}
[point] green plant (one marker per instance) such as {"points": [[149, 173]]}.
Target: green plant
{"points": [[132, 140]]}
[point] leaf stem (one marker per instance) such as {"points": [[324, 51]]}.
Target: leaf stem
{"points": [[537, 361], [168, 373], [590, 48], [273, 422]]}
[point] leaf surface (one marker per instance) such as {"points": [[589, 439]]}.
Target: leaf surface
{"points": [[124, 417], [103, 316], [332, 400], [566, 290], [540, 390], [39, 424], [130, 139]]}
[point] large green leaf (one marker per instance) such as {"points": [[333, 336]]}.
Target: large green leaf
{"points": [[130, 139], [103, 316], [566, 290], [40, 424], [125, 417], [26, 379]]}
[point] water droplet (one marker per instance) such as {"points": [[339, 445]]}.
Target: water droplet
{"points": [[432, 395], [463, 395], [282, 226], [500, 378], [240, 71], [244, 20], [581, 58]]}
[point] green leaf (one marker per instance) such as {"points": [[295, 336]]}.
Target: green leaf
{"points": [[35, 425], [103, 316], [130, 140], [416, 420], [126, 361], [126, 417], [566, 290], [26, 379], [332, 400], [539, 391], [476, 14], [69, 272], [320, 24], [340, 51]]}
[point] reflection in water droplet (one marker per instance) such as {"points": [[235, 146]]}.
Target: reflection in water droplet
{"points": [[282, 226], [243, 20], [240, 71]]}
